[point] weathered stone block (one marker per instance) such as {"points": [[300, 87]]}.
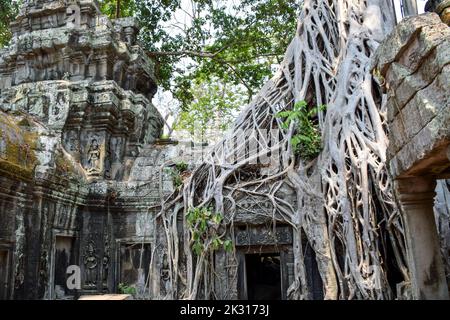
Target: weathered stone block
{"points": [[397, 134], [390, 50], [429, 37], [418, 82], [435, 61], [411, 117], [422, 144], [434, 98], [395, 75], [408, 88]]}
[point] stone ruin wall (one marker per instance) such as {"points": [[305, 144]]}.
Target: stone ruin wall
{"points": [[80, 160]]}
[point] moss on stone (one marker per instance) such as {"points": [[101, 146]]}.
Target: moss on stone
{"points": [[18, 145], [64, 166]]}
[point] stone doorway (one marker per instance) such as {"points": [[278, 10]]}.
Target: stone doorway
{"points": [[134, 264], [64, 257], [263, 276], [4, 274]]}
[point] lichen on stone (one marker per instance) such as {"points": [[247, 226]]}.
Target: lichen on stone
{"points": [[17, 146]]}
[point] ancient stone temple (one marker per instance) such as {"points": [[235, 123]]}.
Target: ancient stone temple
{"points": [[84, 172], [78, 161], [80, 158]]}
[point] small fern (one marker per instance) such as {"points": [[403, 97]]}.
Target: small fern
{"points": [[307, 141], [176, 173], [125, 289]]}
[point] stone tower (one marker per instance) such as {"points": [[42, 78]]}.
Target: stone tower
{"points": [[79, 167], [86, 76]]}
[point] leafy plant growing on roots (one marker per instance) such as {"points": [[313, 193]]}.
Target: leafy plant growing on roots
{"points": [[307, 142]]}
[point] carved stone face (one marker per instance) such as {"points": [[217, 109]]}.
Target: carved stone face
{"points": [[61, 98]]}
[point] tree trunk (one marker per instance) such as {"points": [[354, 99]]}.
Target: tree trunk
{"points": [[117, 9], [344, 197]]}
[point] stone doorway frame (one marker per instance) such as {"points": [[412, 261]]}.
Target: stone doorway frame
{"points": [[52, 260]]}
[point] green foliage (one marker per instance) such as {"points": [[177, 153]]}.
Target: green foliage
{"points": [[8, 11], [181, 167], [213, 107], [125, 289], [127, 8], [228, 245], [230, 47], [306, 142], [176, 173], [204, 225]]}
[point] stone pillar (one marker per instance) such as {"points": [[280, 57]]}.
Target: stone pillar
{"points": [[416, 196], [102, 71]]}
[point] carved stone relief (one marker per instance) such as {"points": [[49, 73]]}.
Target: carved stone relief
{"points": [[261, 235], [106, 262], [73, 16], [90, 261], [93, 156]]}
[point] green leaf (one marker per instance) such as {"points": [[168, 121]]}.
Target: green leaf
{"points": [[228, 245], [216, 243], [203, 226], [217, 219], [197, 248]]}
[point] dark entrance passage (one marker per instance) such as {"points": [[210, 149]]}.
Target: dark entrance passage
{"points": [[3, 274], [263, 276]]}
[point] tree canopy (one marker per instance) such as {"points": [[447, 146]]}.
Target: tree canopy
{"points": [[199, 43]]}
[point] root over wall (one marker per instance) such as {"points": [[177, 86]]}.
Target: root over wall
{"points": [[344, 203]]}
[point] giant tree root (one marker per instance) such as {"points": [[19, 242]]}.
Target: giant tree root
{"points": [[344, 202]]}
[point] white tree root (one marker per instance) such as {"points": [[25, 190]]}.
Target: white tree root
{"points": [[344, 204]]}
